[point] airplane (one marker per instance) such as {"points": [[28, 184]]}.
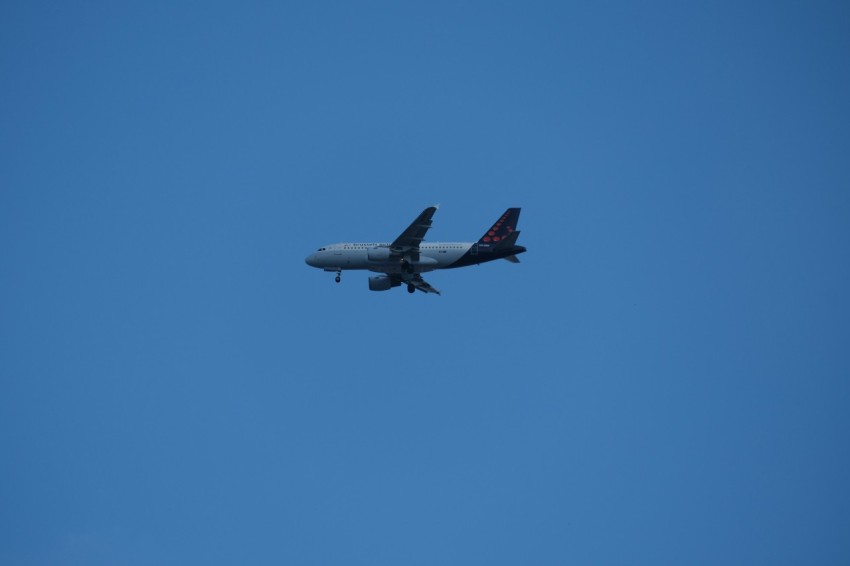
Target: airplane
{"points": [[405, 259]]}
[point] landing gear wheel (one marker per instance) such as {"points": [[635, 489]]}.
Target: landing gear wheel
{"points": [[338, 276], [411, 288]]}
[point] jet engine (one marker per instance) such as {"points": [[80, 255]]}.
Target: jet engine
{"points": [[378, 254], [382, 283]]}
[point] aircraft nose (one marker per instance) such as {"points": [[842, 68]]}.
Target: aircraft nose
{"points": [[311, 260]]}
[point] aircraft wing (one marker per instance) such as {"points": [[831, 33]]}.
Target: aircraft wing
{"points": [[410, 239], [417, 281]]}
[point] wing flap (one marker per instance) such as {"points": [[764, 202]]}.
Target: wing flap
{"points": [[413, 235], [417, 281]]}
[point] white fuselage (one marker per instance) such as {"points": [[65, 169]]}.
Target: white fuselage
{"points": [[375, 257], [403, 261]]}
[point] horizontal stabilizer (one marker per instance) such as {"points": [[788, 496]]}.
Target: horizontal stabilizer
{"points": [[512, 259]]}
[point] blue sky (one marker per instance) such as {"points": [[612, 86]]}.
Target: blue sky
{"points": [[662, 380]]}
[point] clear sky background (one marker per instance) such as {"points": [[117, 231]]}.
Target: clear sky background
{"points": [[662, 380]]}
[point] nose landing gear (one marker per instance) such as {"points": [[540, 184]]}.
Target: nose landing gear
{"points": [[338, 277]]}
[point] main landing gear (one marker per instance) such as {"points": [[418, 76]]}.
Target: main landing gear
{"points": [[338, 276], [411, 288]]}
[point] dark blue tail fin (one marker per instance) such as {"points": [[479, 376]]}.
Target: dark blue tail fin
{"points": [[502, 229]]}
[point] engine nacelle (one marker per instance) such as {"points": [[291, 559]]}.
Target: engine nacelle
{"points": [[382, 283], [378, 254]]}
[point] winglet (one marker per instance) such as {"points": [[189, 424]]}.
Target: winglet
{"points": [[512, 259]]}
